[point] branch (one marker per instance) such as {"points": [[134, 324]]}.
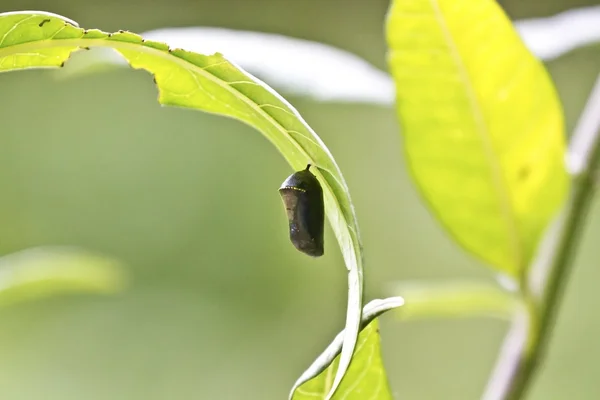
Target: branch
{"points": [[525, 344]]}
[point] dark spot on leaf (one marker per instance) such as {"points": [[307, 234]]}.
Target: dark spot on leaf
{"points": [[85, 32], [62, 64], [86, 48], [154, 79], [524, 173], [110, 34], [45, 21]]}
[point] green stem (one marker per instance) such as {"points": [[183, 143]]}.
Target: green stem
{"points": [[525, 345]]}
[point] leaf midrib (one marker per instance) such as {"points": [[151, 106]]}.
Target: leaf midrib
{"points": [[499, 184]]}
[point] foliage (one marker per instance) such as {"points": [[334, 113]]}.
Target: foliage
{"points": [[483, 137], [212, 84], [40, 272], [482, 126]]}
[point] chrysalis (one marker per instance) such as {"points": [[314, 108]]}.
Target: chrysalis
{"points": [[303, 199]]}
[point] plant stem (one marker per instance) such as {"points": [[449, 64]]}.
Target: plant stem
{"points": [[525, 343]]}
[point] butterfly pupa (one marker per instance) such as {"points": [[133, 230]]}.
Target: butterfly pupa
{"points": [[302, 197]]}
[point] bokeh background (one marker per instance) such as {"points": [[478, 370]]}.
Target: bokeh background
{"points": [[221, 306]]}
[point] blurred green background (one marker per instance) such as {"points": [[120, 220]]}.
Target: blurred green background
{"points": [[221, 306]]}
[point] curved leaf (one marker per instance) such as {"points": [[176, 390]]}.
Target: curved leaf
{"points": [[44, 271], [289, 64], [420, 300], [323, 72], [211, 84], [319, 373], [482, 126], [366, 377]]}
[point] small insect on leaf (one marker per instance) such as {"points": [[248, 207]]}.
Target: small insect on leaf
{"points": [[302, 196]]}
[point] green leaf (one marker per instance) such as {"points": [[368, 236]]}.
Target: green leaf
{"points": [[319, 373], [325, 361], [418, 300], [45, 271], [482, 126], [454, 298], [293, 66], [212, 84], [366, 377]]}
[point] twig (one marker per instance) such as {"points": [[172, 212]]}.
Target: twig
{"points": [[525, 344]]}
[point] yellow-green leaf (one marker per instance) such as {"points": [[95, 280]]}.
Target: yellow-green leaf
{"points": [[418, 300], [45, 271], [451, 299], [365, 379], [209, 83], [482, 125]]}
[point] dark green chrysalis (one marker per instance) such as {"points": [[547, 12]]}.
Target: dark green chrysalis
{"points": [[303, 199]]}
